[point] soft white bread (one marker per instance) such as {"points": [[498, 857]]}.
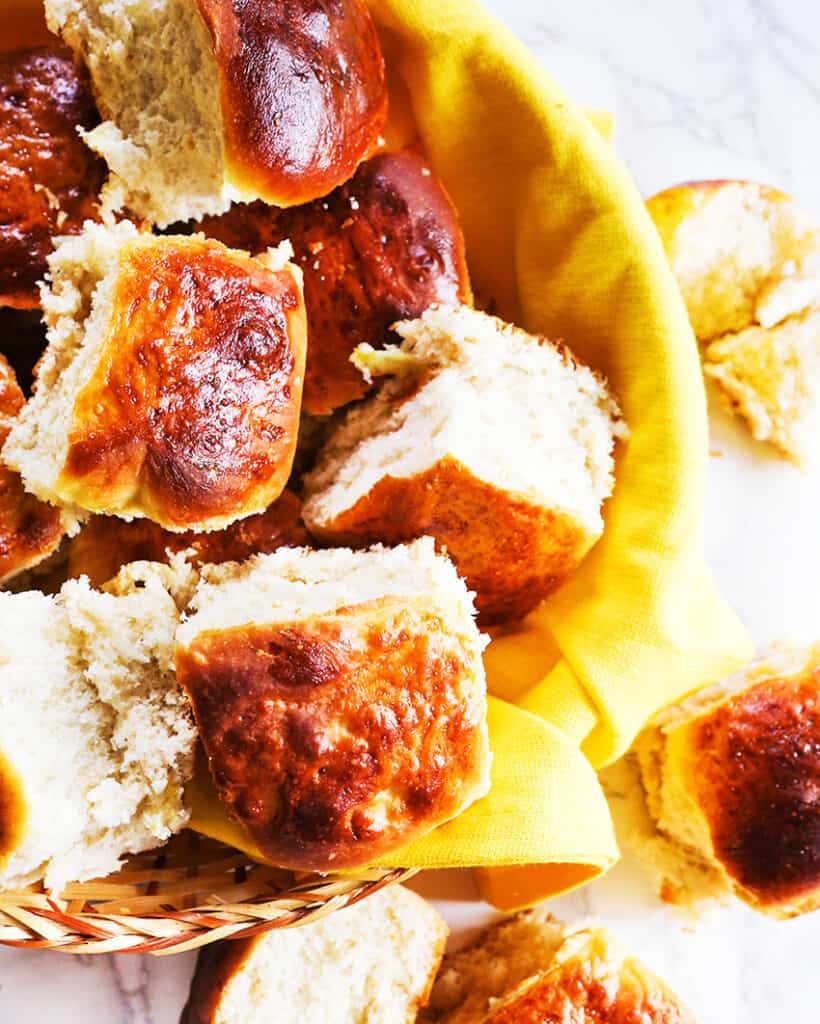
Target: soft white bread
{"points": [[209, 100], [747, 259], [531, 969], [372, 963], [495, 442], [742, 253], [730, 779], [96, 738], [171, 384], [340, 697], [771, 377]]}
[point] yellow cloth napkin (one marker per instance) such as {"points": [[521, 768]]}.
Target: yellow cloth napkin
{"points": [[558, 241]]}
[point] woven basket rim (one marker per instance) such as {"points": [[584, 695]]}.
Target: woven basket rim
{"points": [[185, 895]]}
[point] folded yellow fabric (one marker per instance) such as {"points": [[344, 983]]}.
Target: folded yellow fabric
{"points": [[558, 241]]}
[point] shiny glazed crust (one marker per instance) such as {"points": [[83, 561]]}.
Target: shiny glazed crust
{"points": [[107, 543], [382, 248], [754, 765], [191, 415], [51, 180], [337, 739], [303, 93], [510, 551], [30, 530]]}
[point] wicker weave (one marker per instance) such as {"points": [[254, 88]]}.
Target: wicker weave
{"points": [[191, 892]]}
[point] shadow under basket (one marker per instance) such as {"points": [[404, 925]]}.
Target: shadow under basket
{"points": [[189, 893]]}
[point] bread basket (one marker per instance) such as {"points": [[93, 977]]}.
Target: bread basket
{"points": [[443, 56], [191, 892]]}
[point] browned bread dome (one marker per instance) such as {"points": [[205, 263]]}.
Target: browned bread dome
{"points": [[731, 777], [172, 384], [277, 100], [340, 698], [49, 179], [381, 248]]}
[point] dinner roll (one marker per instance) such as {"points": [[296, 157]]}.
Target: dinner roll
{"points": [[748, 263], [381, 248], [531, 969], [50, 178], [96, 738], [372, 963], [771, 377], [340, 698], [107, 543], [212, 100], [731, 779], [171, 385], [30, 530], [495, 442]]}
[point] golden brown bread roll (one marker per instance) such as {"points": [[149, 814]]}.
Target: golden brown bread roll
{"points": [[172, 382], [340, 698], [106, 543], [731, 779], [372, 962], [49, 179], [495, 442], [212, 100], [30, 530], [531, 969], [747, 259], [381, 248]]}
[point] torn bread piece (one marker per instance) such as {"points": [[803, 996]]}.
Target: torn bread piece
{"points": [[730, 777], [340, 697], [531, 969], [771, 377], [211, 100], [30, 530], [747, 259], [372, 962], [497, 443], [87, 678], [171, 385]]}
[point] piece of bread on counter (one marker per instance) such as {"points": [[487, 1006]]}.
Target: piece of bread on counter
{"points": [[51, 179], [381, 248], [731, 780], [372, 963], [747, 259], [96, 738], [495, 442], [171, 384], [340, 697], [531, 969], [106, 543], [743, 253], [771, 377], [207, 101], [30, 530]]}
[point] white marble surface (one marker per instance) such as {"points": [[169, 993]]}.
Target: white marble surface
{"points": [[700, 89]]}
